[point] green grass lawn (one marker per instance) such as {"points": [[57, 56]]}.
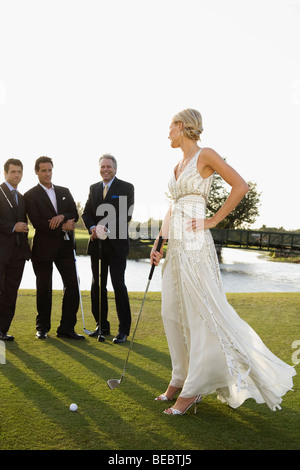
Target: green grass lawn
{"points": [[41, 378]]}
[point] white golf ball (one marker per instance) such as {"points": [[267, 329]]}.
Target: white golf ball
{"points": [[73, 407]]}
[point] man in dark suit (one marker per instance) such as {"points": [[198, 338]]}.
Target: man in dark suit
{"points": [[14, 248], [106, 215], [53, 214]]}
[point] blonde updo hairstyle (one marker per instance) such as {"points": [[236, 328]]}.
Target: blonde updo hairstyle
{"points": [[192, 123]]}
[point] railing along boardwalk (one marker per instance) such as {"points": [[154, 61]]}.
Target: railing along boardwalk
{"points": [[283, 242]]}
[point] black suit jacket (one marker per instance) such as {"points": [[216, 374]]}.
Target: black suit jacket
{"points": [[46, 241], [9, 216], [115, 212]]}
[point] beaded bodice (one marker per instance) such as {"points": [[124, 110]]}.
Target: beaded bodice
{"points": [[190, 182], [189, 195]]}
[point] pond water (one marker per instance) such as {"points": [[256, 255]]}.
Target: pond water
{"points": [[242, 271]]}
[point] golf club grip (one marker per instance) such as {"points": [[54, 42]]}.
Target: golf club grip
{"points": [[160, 240]]}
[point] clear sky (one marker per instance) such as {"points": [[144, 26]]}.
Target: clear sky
{"points": [[79, 78]]}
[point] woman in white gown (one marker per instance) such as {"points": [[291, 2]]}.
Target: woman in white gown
{"points": [[212, 349]]}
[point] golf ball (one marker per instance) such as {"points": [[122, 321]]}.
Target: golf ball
{"points": [[73, 407]]}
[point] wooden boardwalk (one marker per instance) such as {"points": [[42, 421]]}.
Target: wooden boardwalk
{"points": [[282, 242]]}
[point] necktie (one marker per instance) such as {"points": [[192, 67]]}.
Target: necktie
{"points": [[105, 191], [15, 195]]}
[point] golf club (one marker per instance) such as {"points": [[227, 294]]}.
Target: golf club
{"points": [[88, 332], [101, 338], [114, 383]]}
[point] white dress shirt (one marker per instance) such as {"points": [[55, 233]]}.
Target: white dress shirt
{"points": [[52, 196]]}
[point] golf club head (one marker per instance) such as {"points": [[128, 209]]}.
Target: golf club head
{"points": [[113, 383], [87, 332], [101, 338]]}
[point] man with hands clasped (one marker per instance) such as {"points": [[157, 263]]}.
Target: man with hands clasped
{"points": [[14, 248], [53, 214], [106, 215]]}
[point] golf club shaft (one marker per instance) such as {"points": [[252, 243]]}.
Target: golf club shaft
{"points": [[80, 298], [101, 338], [100, 288], [141, 309]]}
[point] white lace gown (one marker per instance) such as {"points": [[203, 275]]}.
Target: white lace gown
{"points": [[212, 349]]}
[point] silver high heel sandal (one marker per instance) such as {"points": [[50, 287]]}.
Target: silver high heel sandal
{"points": [[177, 412], [163, 396]]}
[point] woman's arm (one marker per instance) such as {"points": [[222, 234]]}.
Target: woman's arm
{"points": [[208, 163], [156, 256]]}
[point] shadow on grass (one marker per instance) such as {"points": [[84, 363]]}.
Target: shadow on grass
{"points": [[49, 376], [116, 419], [51, 391]]}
